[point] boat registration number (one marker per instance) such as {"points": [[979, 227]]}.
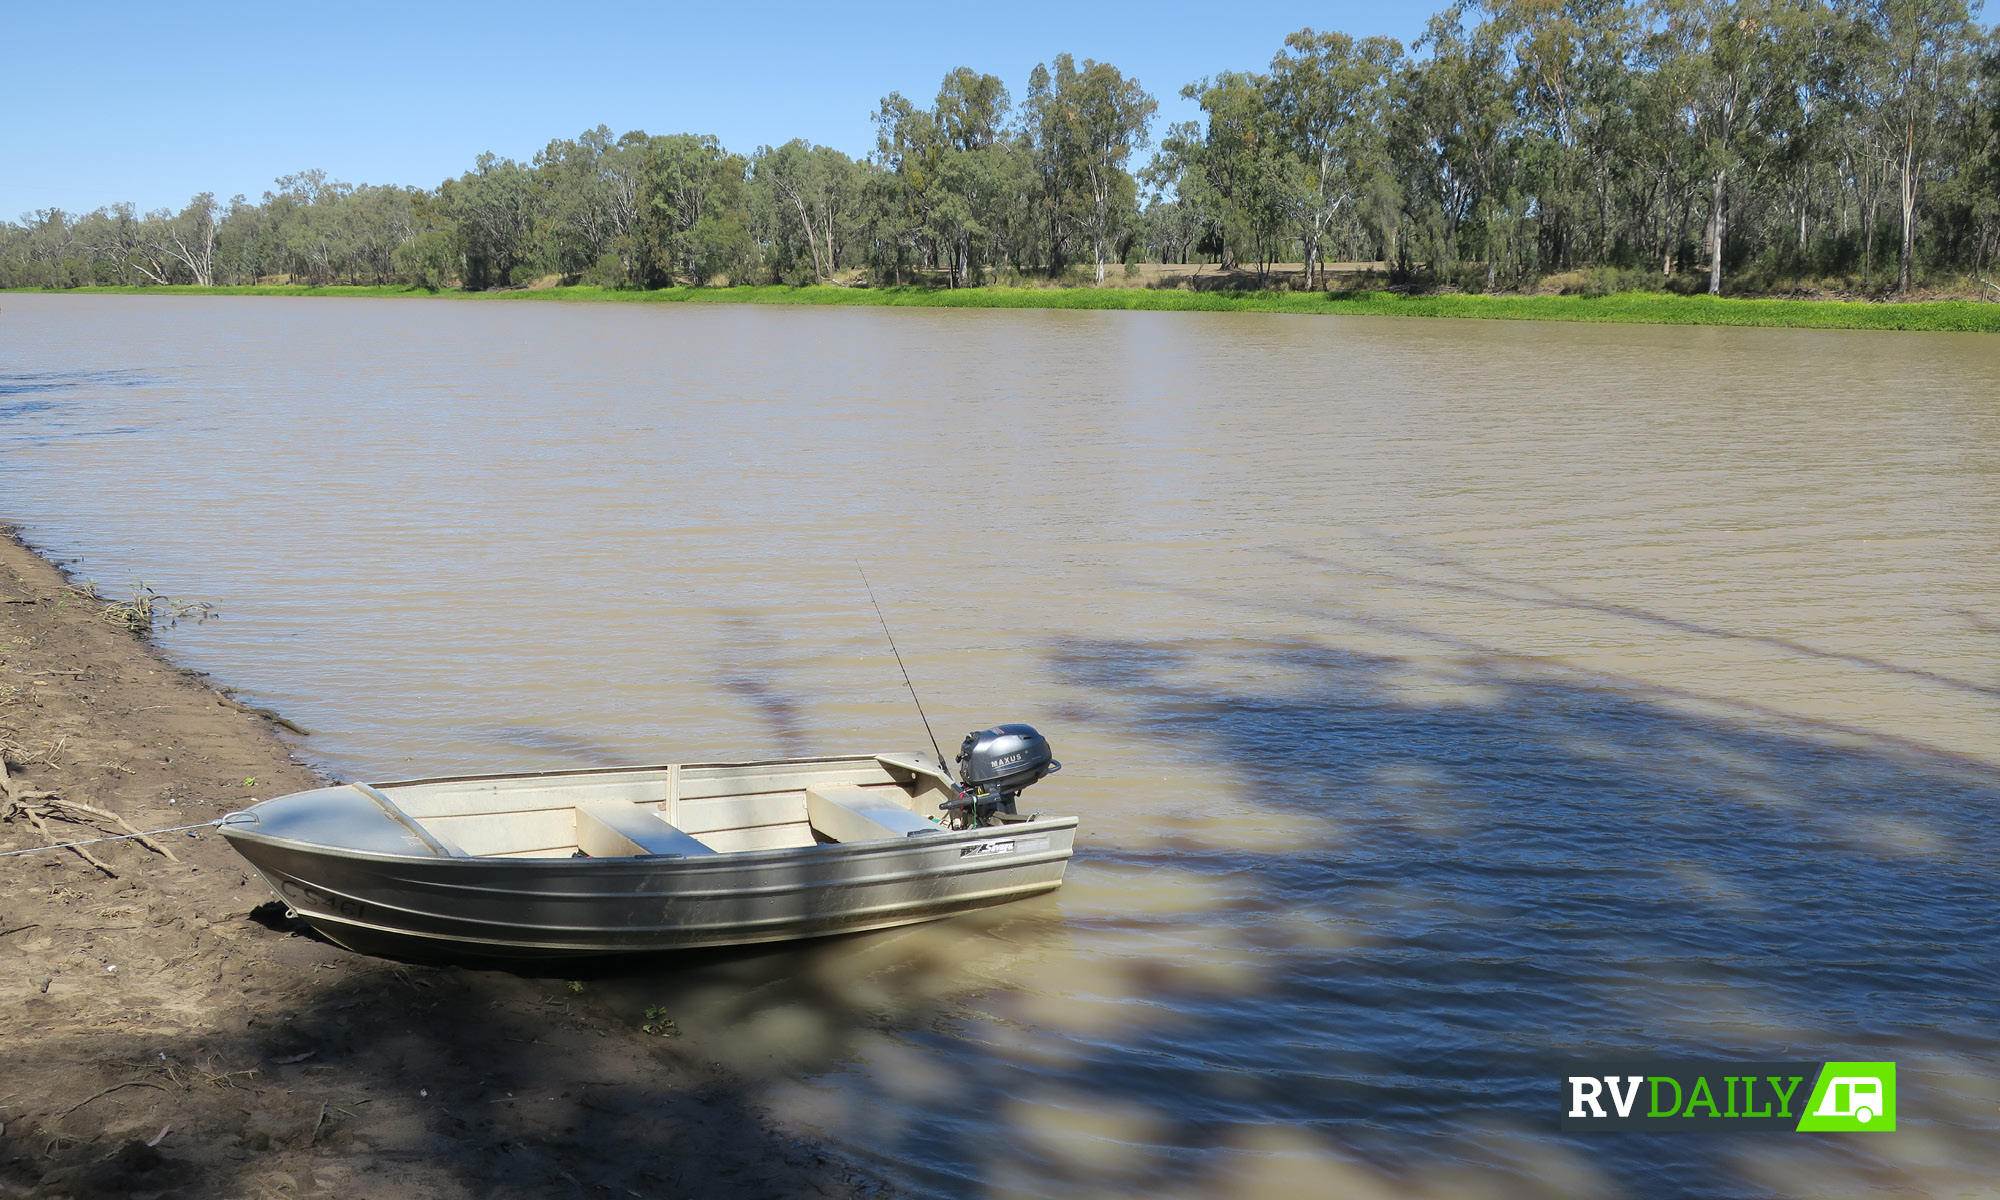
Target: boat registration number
{"points": [[988, 849]]}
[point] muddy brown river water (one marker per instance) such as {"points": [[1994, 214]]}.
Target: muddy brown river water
{"points": [[1443, 699]]}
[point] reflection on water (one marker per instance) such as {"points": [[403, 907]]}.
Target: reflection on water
{"points": [[1442, 699]]}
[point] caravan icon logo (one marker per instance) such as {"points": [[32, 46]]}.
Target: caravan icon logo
{"points": [[1852, 1097], [1845, 1097]]}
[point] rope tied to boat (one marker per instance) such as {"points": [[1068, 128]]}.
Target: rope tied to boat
{"points": [[122, 837], [40, 807]]}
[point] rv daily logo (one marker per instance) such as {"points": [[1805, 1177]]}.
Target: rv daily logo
{"points": [[1660, 1097]]}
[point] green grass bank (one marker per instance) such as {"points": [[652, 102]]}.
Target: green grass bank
{"points": [[1639, 308]]}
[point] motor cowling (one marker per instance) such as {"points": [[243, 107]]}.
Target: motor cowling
{"points": [[995, 764]]}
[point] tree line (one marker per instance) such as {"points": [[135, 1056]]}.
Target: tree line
{"points": [[1694, 144]]}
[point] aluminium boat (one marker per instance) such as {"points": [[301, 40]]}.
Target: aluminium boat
{"points": [[632, 859]]}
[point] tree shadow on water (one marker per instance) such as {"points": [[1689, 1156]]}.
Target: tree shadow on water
{"points": [[1430, 897], [1352, 968]]}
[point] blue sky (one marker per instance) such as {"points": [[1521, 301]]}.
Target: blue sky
{"points": [[153, 103]]}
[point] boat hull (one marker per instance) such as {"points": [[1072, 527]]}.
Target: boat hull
{"points": [[501, 908]]}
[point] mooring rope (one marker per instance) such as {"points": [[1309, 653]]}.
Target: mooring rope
{"points": [[117, 838]]}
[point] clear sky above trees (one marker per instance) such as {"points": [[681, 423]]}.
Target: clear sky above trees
{"points": [[1767, 144], [152, 103]]}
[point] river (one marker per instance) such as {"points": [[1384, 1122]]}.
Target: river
{"points": [[1442, 699]]}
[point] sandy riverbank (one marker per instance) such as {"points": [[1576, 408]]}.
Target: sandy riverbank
{"points": [[168, 1033]]}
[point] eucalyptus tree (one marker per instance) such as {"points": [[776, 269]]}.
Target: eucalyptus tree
{"points": [[951, 169], [1225, 164], [45, 250], [1173, 218], [242, 242], [378, 220], [909, 149], [303, 233], [118, 233], [1660, 164], [815, 191], [692, 219], [1328, 92], [1572, 64], [974, 166], [1985, 174], [1053, 196], [1454, 132], [1921, 52], [1805, 122], [1866, 173], [590, 199], [1171, 228], [48, 234], [1086, 123], [163, 246], [430, 260], [1722, 65], [493, 209], [1522, 135]]}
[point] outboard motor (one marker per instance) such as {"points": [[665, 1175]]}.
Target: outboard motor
{"points": [[994, 765]]}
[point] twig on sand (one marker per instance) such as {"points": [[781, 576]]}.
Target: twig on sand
{"points": [[141, 838], [63, 1112], [36, 805], [49, 834], [224, 1079], [270, 715]]}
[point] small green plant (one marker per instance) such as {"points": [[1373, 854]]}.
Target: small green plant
{"points": [[147, 608], [657, 1024], [575, 985]]}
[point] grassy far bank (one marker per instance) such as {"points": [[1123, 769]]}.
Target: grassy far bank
{"points": [[1643, 308]]}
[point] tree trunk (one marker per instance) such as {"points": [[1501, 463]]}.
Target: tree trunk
{"points": [[1101, 194], [1909, 208], [1718, 229], [1868, 244], [812, 239], [1489, 249]]}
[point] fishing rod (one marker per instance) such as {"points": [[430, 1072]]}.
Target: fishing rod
{"points": [[995, 764], [899, 665]]}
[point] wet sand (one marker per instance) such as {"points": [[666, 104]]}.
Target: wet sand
{"points": [[168, 1032]]}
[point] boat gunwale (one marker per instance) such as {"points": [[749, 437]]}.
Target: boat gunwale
{"points": [[887, 875], [724, 860], [621, 770]]}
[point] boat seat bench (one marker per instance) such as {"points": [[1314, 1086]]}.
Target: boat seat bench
{"points": [[618, 830], [847, 812], [844, 812]]}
